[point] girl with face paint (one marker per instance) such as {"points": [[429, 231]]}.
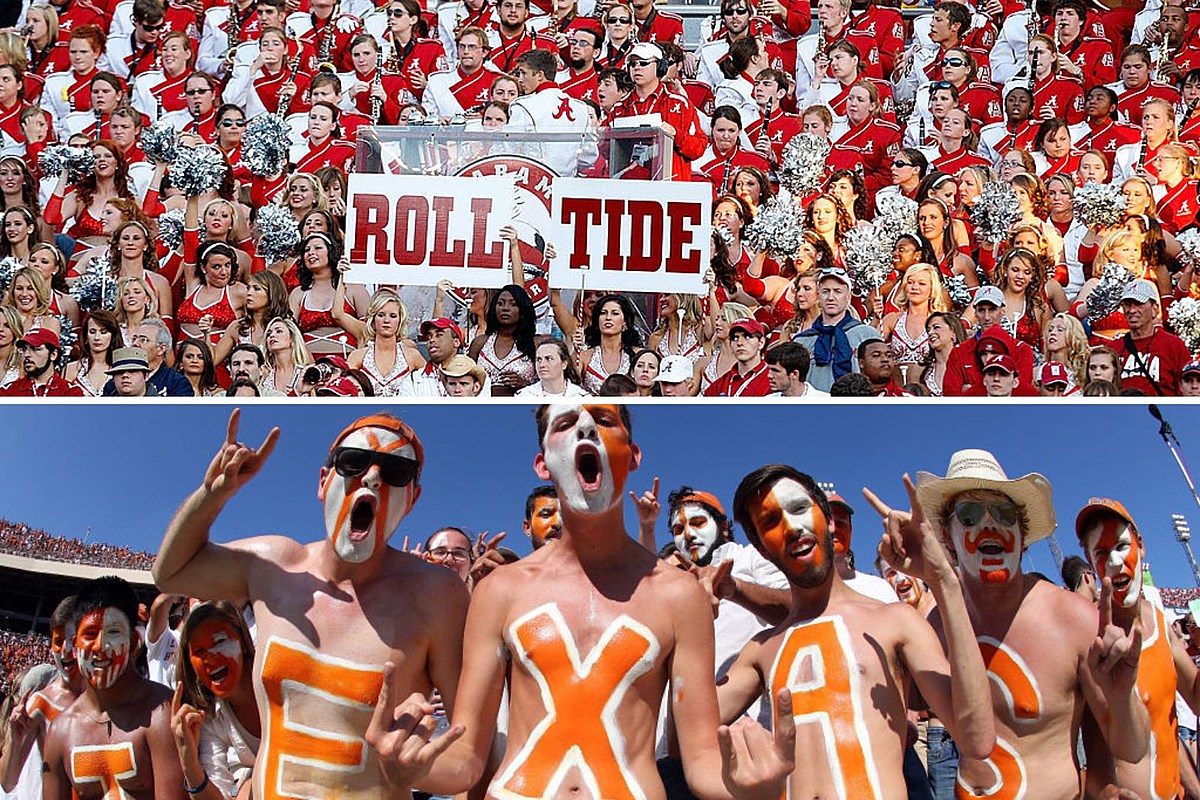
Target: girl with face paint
{"points": [[214, 714]]}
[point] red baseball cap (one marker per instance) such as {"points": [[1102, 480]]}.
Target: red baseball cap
{"points": [[41, 336], [750, 326], [1002, 362], [1054, 372], [1097, 505], [335, 361], [445, 323], [340, 387]]}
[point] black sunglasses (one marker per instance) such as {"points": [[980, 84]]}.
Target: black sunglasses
{"points": [[969, 512], [735, 12], [620, 20], [953, 62], [350, 462], [230, 123], [899, 163], [398, 12], [158, 26], [637, 62]]}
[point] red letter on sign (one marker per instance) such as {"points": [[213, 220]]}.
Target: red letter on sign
{"points": [[417, 228], [614, 212], [371, 219], [441, 256], [677, 262], [481, 254], [581, 212], [641, 258]]}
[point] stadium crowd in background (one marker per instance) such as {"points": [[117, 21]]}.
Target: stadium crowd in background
{"points": [[977, 131], [19, 539]]}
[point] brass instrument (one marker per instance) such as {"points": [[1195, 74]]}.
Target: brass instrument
{"points": [[1164, 46], [393, 60], [234, 32], [376, 102], [328, 40], [552, 30], [460, 18], [1032, 29], [68, 98]]}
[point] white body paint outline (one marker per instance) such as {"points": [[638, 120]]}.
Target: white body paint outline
{"points": [[608, 715], [287, 687], [1004, 687], [117, 778], [996, 784], [822, 717]]}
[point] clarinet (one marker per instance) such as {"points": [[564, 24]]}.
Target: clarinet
{"points": [[376, 102], [99, 120], [921, 131], [196, 120], [763, 135], [1141, 162], [286, 100], [1187, 115], [158, 107], [1032, 29]]}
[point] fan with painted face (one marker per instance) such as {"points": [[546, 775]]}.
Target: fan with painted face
{"points": [[588, 452]]}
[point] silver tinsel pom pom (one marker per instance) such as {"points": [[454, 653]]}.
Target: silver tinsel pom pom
{"points": [[77, 161], [96, 288], [960, 293], [802, 167], [725, 234], [1106, 297], [1184, 318], [777, 230], [1100, 204], [170, 228], [995, 211], [197, 170], [66, 336], [868, 256], [279, 233], [158, 142], [8, 267], [1189, 243], [265, 145], [895, 215]]}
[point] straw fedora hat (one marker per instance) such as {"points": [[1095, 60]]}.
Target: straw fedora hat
{"points": [[978, 469]]}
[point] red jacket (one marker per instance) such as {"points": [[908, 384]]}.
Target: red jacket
{"points": [[964, 379], [677, 111], [756, 383], [57, 386]]}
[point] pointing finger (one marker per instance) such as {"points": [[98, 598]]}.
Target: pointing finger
{"points": [[495, 540], [654, 491], [1106, 592], [881, 508], [268, 445], [917, 513], [383, 706], [231, 432]]}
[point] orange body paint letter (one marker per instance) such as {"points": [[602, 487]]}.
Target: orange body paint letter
{"points": [[1156, 682], [38, 705], [580, 728], [106, 764], [1023, 701], [292, 671], [816, 663]]}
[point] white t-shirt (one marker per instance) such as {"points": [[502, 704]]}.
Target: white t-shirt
{"points": [[160, 658], [873, 586]]}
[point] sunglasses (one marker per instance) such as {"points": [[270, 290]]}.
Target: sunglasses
{"points": [[155, 27], [350, 462], [195, 92], [901, 164], [233, 123], [577, 43], [620, 20], [735, 12], [398, 12], [940, 85], [638, 62], [953, 62], [970, 512]]}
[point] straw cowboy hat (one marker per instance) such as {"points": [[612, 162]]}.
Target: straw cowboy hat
{"points": [[978, 469]]}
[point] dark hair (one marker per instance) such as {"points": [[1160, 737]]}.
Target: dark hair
{"points": [[541, 414], [545, 490], [242, 383], [1078, 6], [194, 692], [619, 76], [860, 190], [915, 157], [779, 76], [1073, 570], [631, 338], [728, 112], [61, 616], [109, 322], [569, 372], [617, 385], [305, 275], [684, 494], [246, 347], [740, 53], [1046, 129], [107, 592], [959, 15], [216, 248], [791, 356], [865, 343], [852, 384], [85, 190], [762, 480], [538, 60], [208, 377], [526, 319]]}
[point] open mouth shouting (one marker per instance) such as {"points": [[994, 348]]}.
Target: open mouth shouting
{"points": [[588, 466], [362, 515]]}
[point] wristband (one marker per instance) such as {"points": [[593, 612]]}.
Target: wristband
{"points": [[195, 790]]}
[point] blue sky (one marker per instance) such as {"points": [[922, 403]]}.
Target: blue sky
{"points": [[123, 470]]}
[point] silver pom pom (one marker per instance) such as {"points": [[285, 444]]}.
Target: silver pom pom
{"points": [[802, 167], [66, 336], [1106, 297], [895, 215], [77, 161], [197, 170], [995, 211], [265, 145], [96, 288], [279, 233], [868, 256], [8, 267], [1184, 319], [1100, 204], [170, 228], [960, 293], [158, 142], [1189, 244], [777, 230]]}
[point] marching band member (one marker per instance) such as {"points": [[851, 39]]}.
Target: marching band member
{"points": [[71, 90], [130, 54], [161, 91], [270, 80], [465, 87]]}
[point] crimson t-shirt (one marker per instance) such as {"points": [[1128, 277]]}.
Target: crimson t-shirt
{"points": [[1164, 356]]}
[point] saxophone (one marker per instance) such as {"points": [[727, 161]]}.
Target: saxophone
{"points": [[1163, 47], [460, 18], [328, 40], [234, 33], [377, 103]]}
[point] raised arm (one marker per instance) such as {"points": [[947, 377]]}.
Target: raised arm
{"points": [[188, 563], [1109, 680], [957, 691]]}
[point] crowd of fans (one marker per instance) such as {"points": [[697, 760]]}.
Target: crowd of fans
{"points": [[21, 540], [19, 652], [1059, 289]]}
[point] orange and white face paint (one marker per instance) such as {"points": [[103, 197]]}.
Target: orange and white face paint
{"points": [[545, 524], [318, 709], [63, 652], [362, 512], [988, 551], [794, 532], [215, 652], [1115, 550], [696, 532], [588, 454], [103, 642], [817, 663], [907, 588], [582, 698], [105, 764]]}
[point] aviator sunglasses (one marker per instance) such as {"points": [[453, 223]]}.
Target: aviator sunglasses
{"points": [[969, 512], [350, 462]]}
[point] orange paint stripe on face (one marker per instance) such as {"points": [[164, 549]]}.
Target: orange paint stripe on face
{"points": [[578, 694]]}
